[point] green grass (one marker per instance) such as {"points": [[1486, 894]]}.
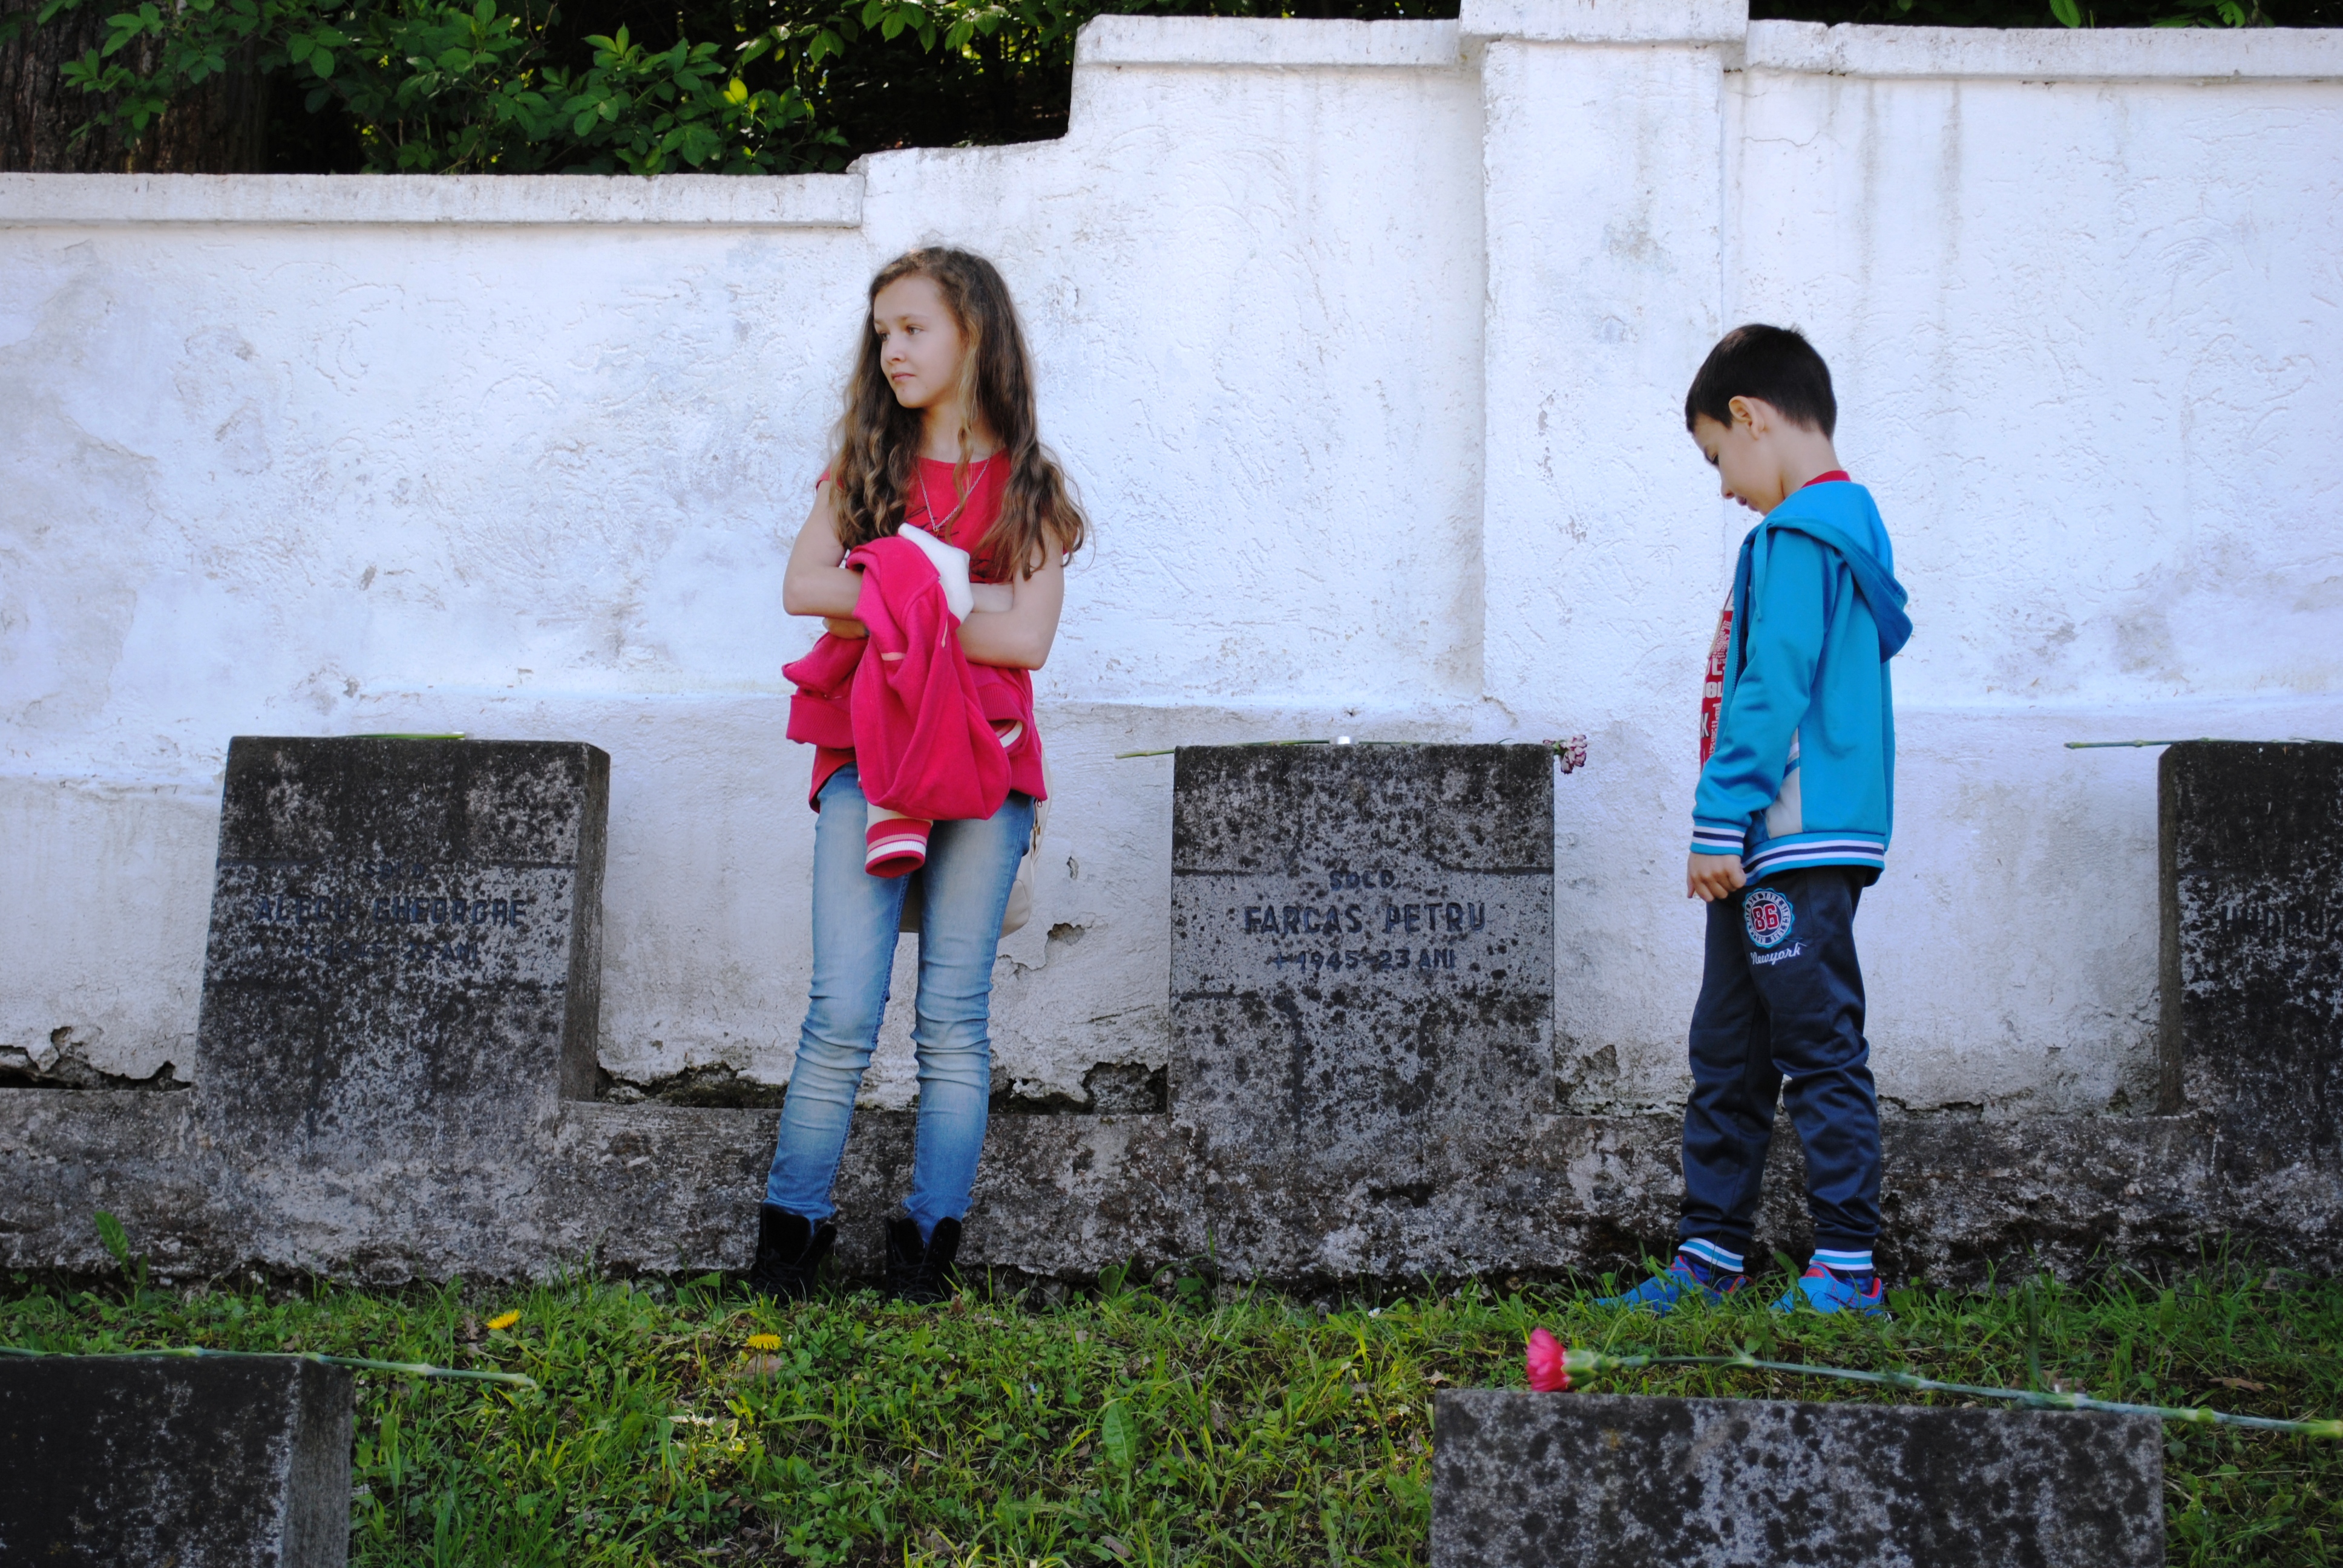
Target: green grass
{"points": [[1131, 1427]]}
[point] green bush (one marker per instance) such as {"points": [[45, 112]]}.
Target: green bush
{"points": [[432, 86], [438, 86]]}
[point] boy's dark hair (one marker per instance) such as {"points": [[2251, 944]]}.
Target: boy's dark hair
{"points": [[1773, 364]]}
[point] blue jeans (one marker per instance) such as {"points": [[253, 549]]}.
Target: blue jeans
{"points": [[1781, 1013], [970, 868]]}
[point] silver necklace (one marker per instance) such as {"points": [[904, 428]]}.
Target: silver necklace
{"points": [[934, 527]]}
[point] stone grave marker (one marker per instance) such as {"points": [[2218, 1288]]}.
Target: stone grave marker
{"points": [[2252, 904], [404, 962], [115, 1460], [1562, 1481], [1362, 969]]}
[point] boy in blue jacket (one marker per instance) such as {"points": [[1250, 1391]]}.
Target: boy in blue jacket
{"points": [[1790, 824]]}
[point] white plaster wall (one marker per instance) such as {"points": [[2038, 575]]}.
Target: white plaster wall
{"points": [[1366, 345], [2082, 309], [2091, 338], [536, 477]]}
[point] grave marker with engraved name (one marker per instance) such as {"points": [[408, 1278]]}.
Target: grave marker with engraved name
{"points": [[405, 946], [2252, 907], [1362, 951]]}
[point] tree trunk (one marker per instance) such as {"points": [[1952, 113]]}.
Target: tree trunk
{"points": [[220, 128]]}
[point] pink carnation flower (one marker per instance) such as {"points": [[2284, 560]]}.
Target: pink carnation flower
{"points": [[1549, 1363]]}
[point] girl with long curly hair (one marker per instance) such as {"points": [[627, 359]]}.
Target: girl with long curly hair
{"points": [[938, 439]]}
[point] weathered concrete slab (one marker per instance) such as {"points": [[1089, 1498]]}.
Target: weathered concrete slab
{"points": [[113, 1460], [663, 1189], [666, 1188], [421, 1152], [400, 982], [1556, 1480], [401, 929], [2252, 896], [1362, 973]]}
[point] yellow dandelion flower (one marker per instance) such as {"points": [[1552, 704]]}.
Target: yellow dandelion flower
{"points": [[764, 1341], [504, 1321]]}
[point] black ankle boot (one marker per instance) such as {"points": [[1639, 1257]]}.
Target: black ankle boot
{"points": [[790, 1251], [917, 1274]]}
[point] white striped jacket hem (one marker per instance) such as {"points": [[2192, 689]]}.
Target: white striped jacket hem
{"points": [[1789, 855], [908, 843]]}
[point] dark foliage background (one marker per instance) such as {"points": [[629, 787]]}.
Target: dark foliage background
{"points": [[643, 85]]}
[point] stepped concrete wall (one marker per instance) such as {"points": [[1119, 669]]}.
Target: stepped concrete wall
{"points": [[1366, 345]]}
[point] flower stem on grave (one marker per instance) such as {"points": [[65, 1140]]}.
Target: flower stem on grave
{"points": [[1594, 1363], [412, 1369]]}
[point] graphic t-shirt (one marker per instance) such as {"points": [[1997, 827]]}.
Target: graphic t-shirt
{"points": [[1711, 682]]}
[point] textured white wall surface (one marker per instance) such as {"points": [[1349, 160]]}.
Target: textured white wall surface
{"points": [[1366, 345]]}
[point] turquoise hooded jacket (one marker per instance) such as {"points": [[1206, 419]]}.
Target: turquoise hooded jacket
{"points": [[1804, 771]]}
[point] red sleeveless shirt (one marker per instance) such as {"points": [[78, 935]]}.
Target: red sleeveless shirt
{"points": [[931, 504]]}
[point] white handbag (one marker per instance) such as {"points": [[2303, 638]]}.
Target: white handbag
{"points": [[1020, 907]]}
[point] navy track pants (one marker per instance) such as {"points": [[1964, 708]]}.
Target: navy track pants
{"points": [[1781, 1014]]}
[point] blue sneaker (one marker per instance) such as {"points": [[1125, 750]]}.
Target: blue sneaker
{"points": [[1829, 1292], [1684, 1277]]}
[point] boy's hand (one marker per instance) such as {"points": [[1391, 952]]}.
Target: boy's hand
{"points": [[844, 626], [1709, 878]]}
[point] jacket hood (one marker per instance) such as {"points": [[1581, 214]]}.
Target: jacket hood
{"points": [[1842, 516]]}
